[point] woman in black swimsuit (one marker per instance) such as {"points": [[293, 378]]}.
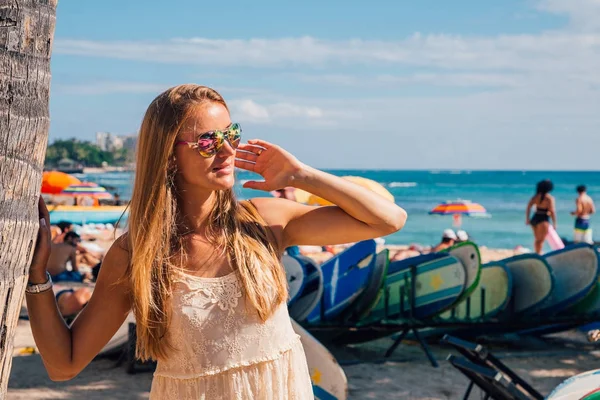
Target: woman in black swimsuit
{"points": [[544, 211]]}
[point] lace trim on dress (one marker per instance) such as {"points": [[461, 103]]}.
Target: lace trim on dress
{"points": [[224, 291], [295, 341]]}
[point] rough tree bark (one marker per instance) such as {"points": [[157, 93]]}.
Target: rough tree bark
{"points": [[26, 34]]}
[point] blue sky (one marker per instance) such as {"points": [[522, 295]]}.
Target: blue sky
{"points": [[395, 84]]}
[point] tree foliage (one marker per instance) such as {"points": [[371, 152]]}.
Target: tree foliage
{"points": [[83, 152]]}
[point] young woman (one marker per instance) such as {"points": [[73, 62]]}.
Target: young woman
{"points": [[544, 211], [200, 270]]}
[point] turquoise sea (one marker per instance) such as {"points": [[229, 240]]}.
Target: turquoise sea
{"points": [[503, 193]]}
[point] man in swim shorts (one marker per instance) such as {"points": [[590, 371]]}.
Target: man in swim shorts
{"points": [[60, 254], [584, 209]]}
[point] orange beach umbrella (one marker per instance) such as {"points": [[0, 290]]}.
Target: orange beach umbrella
{"points": [[359, 180], [54, 182]]}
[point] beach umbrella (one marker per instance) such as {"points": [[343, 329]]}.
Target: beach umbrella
{"points": [[54, 182], [87, 189], [458, 208], [300, 196], [364, 182]]}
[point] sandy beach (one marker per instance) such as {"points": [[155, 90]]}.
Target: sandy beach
{"points": [[406, 375]]}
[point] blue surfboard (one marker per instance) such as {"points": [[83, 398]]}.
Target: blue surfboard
{"points": [[575, 269], [345, 276], [533, 282], [312, 290], [441, 280], [295, 272]]}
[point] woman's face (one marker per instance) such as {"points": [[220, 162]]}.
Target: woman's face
{"points": [[194, 170]]}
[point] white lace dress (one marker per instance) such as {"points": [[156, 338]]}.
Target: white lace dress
{"points": [[224, 351]]}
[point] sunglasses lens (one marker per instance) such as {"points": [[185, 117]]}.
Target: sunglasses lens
{"points": [[234, 135], [211, 142], [208, 144]]}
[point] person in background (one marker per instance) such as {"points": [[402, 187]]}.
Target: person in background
{"points": [[117, 199], [461, 236], [71, 301], [60, 254], [584, 209], [64, 227], [544, 211], [84, 256], [448, 240]]}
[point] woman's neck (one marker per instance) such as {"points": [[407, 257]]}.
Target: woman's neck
{"points": [[195, 208]]}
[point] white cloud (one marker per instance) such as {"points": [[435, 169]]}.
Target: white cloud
{"points": [[584, 15], [250, 110], [546, 108], [550, 51]]}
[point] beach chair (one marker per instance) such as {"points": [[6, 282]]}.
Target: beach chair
{"points": [[487, 372]]}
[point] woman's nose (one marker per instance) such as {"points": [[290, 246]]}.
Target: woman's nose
{"points": [[227, 149]]}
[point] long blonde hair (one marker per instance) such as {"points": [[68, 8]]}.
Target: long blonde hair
{"points": [[154, 237]]}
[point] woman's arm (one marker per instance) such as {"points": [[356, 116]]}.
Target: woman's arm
{"points": [[66, 351], [528, 210], [359, 213]]}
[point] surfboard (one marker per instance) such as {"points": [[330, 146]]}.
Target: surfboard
{"points": [[590, 303], [328, 378], [311, 292], [490, 297], [440, 280], [294, 271], [575, 269], [468, 254], [577, 386], [553, 239], [373, 292], [532, 282], [345, 276], [593, 395]]}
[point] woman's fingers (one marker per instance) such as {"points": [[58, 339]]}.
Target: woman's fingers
{"points": [[251, 148], [261, 143], [43, 210], [246, 165], [246, 155]]}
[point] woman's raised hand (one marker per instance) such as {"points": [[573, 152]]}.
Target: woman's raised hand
{"points": [[277, 166]]}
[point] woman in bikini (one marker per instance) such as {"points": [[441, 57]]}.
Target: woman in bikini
{"points": [[200, 270], [544, 211]]}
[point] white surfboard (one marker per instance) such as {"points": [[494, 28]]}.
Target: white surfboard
{"points": [[577, 386], [294, 271], [328, 378]]}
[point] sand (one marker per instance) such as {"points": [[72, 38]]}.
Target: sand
{"points": [[406, 375]]}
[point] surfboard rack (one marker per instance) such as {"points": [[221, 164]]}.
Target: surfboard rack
{"points": [[411, 313], [488, 372]]}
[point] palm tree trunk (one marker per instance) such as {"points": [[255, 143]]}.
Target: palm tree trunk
{"points": [[26, 34]]}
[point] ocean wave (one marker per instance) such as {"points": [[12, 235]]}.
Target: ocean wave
{"points": [[449, 172], [402, 184]]}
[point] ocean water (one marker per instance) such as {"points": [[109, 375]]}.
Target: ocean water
{"points": [[503, 193]]}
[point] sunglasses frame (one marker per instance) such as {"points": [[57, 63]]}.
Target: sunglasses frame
{"points": [[229, 134]]}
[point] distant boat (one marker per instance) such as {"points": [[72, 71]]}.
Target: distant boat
{"points": [[85, 215]]}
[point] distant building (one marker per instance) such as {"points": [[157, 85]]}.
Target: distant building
{"points": [[129, 142], [106, 141]]}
